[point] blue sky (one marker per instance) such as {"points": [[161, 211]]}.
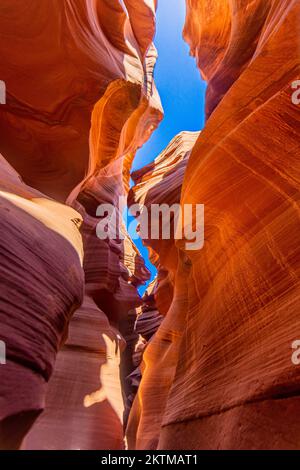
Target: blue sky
{"points": [[180, 87]]}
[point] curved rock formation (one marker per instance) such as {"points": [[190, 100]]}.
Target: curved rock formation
{"points": [[159, 183], [41, 286], [84, 409], [58, 60], [221, 361], [80, 101], [147, 323]]}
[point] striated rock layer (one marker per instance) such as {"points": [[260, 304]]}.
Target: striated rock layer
{"points": [[218, 373], [84, 407], [58, 60], [160, 182], [41, 286], [80, 101]]}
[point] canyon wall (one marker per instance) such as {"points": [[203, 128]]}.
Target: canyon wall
{"points": [[80, 101], [218, 373]]}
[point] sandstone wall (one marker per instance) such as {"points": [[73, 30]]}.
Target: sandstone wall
{"points": [[221, 361], [80, 101]]}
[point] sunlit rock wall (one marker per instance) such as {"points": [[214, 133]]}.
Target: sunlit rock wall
{"points": [[58, 60], [80, 101], [159, 183], [221, 361]]}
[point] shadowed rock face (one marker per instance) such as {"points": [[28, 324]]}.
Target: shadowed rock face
{"points": [[80, 101], [41, 285], [221, 360], [84, 407]]}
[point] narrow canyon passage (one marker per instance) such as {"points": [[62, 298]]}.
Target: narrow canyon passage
{"points": [[89, 127], [181, 90]]}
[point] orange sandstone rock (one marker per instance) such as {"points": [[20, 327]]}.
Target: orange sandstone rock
{"points": [[41, 286], [59, 60], [84, 408], [160, 183], [221, 361], [80, 101]]}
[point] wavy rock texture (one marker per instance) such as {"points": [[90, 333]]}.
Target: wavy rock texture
{"points": [[80, 101], [41, 285], [149, 318], [219, 370], [58, 60], [88, 367], [160, 182], [147, 323], [84, 408]]}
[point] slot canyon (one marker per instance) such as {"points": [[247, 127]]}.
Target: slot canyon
{"points": [[202, 358]]}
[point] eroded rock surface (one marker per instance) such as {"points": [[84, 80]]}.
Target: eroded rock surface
{"points": [[41, 285], [58, 60], [80, 101], [221, 361]]}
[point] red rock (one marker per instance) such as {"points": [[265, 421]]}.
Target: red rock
{"points": [[80, 102], [160, 182], [41, 286], [84, 408], [218, 373], [61, 62]]}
